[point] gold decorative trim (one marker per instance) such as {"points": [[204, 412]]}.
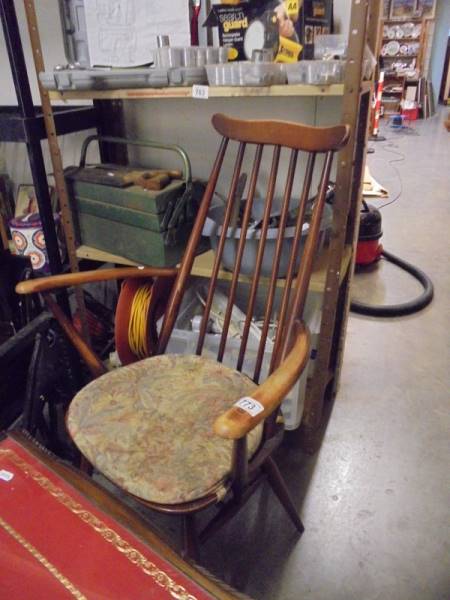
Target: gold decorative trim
{"points": [[41, 558], [134, 556]]}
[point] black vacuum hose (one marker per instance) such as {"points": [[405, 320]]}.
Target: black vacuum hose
{"points": [[405, 308]]}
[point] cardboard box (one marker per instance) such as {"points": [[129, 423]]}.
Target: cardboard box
{"points": [[287, 27], [316, 19], [268, 24]]}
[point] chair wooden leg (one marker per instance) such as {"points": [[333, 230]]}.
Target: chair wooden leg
{"points": [[220, 519], [228, 511], [279, 487], [190, 540]]}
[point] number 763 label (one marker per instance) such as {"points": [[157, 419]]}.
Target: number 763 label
{"points": [[200, 92]]}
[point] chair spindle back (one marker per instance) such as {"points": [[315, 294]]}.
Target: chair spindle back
{"points": [[277, 134]]}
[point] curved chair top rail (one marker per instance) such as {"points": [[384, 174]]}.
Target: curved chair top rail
{"points": [[283, 133]]}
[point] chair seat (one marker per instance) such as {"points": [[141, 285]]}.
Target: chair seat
{"points": [[149, 426]]}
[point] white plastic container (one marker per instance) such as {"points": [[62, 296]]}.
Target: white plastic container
{"points": [[183, 341]]}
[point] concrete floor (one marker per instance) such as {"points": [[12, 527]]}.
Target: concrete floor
{"points": [[375, 499]]}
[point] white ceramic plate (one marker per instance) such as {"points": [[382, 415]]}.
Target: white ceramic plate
{"points": [[408, 29], [398, 32], [417, 30], [392, 48], [391, 33]]}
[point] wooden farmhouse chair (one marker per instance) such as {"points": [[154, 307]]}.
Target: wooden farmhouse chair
{"points": [[182, 432]]}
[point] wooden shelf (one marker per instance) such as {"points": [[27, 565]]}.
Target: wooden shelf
{"points": [[204, 262], [404, 39], [402, 56], [336, 89], [203, 266], [397, 20], [89, 253], [333, 90]]}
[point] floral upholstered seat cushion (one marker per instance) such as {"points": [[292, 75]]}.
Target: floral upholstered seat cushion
{"points": [[149, 426]]}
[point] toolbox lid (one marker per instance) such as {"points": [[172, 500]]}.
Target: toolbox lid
{"points": [[134, 196]]}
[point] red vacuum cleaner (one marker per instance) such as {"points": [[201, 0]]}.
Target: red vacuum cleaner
{"points": [[369, 251]]}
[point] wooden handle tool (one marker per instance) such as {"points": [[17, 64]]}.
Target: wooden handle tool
{"points": [[174, 174], [158, 182]]}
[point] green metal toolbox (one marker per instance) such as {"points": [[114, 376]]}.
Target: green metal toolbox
{"points": [[147, 226]]}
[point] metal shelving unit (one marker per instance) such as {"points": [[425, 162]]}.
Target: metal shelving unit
{"points": [[337, 273], [25, 123], [14, 127]]}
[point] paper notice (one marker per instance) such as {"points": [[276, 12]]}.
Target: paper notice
{"points": [[122, 33]]}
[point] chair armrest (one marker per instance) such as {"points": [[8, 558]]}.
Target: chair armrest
{"points": [[235, 423], [47, 284]]}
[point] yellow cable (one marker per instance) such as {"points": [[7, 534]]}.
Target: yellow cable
{"points": [[137, 326]]}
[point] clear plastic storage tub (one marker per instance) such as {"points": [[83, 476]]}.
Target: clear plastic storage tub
{"points": [[183, 76], [316, 72], [330, 46], [246, 74], [168, 57]]}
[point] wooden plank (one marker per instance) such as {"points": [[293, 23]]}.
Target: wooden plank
{"points": [[336, 89], [87, 252], [350, 171], [203, 265], [56, 159], [204, 262]]}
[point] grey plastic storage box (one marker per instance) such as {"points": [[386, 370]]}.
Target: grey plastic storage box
{"points": [[103, 79], [213, 229], [111, 79]]}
